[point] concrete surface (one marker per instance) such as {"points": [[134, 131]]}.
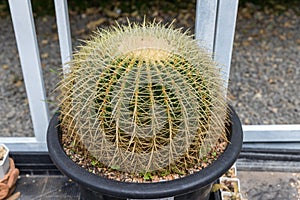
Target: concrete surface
{"points": [[256, 185]]}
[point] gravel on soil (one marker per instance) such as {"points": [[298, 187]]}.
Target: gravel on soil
{"points": [[264, 79], [82, 157]]}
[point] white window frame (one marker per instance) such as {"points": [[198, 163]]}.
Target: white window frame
{"points": [[217, 29], [215, 25]]}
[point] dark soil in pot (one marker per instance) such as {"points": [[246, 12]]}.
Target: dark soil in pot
{"points": [[196, 186], [81, 156]]}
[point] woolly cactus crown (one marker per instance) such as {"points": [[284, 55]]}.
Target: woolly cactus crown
{"points": [[143, 97]]}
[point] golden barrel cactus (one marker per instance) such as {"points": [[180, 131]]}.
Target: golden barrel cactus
{"points": [[143, 97]]}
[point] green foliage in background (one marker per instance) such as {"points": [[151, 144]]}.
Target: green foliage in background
{"points": [[46, 7]]}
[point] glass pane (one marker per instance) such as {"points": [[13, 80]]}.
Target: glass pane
{"points": [[50, 57], [265, 73], [15, 120]]}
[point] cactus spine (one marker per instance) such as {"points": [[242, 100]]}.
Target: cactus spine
{"points": [[143, 97]]}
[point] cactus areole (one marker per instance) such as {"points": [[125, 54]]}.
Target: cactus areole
{"points": [[144, 97]]}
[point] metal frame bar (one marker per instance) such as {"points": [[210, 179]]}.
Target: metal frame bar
{"points": [[216, 31], [23, 23], [215, 27], [64, 33], [224, 35], [24, 144], [206, 16], [268, 137]]}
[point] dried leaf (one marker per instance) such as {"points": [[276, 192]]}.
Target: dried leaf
{"points": [[55, 37], [287, 24], [246, 13], [19, 83], [92, 11], [45, 55], [217, 187], [2, 152], [232, 97], [262, 31], [111, 13], [134, 14], [280, 7], [72, 12], [282, 37], [2, 6], [94, 24], [5, 66], [80, 31], [44, 41]]}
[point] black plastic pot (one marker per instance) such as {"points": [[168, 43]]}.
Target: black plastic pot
{"points": [[193, 187]]}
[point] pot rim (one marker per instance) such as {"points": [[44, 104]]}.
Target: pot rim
{"points": [[171, 188]]}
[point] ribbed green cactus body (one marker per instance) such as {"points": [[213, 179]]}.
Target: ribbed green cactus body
{"points": [[143, 98]]}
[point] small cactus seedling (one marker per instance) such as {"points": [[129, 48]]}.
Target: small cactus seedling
{"points": [[144, 97]]}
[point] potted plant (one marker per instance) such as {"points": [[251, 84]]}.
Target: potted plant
{"points": [[143, 115], [228, 185], [4, 160], [8, 173]]}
